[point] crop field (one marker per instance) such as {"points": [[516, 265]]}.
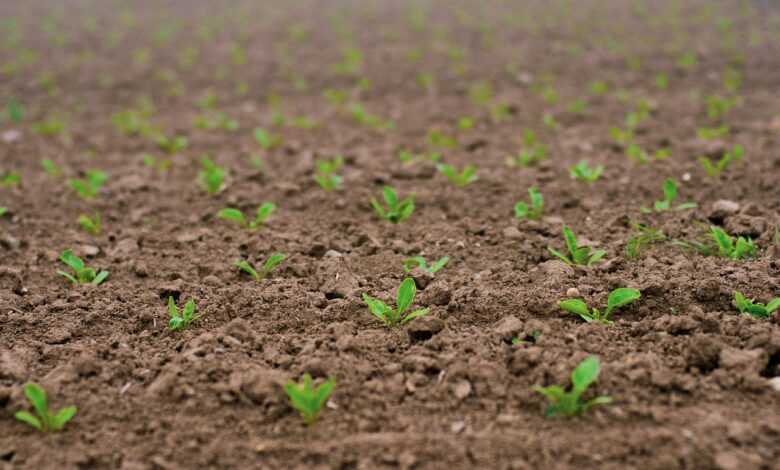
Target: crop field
{"points": [[390, 234]]}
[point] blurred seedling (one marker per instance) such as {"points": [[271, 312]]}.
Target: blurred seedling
{"points": [[157, 163], [51, 126], [44, 419], [265, 139], [419, 262], [617, 298], [459, 178], [270, 264], [641, 156], [583, 172], [181, 319], [91, 225], [712, 133], [3, 211], [216, 120], [578, 255], [211, 176], [568, 404], [715, 168], [81, 273], [721, 244], [396, 316], [10, 179], [408, 158], [308, 399], [717, 106], [326, 176], [532, 153], [645, 237], [666, 204], [171, 145], [89, 186], [14, 111], [51, 168], [261, 216], [438, 139], [396, 211], [753, 308], [533, 210], [132, 122]]}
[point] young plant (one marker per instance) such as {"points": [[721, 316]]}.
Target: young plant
{"points": [[211, 176], [670, 194], [645, 237], [3, 211], [534, 211], [88, 187], [171, 145], [261, 216], [265, 139], [729, 248], [81, 274], [44, 419], [754, 309], [583, 172], [714, 169], [307, 399], [404, 298], [533, 152], [182, 319], [326, 175], [51, 168], [9, 179], [568, 404], [460, 179], [578, 255], [419, 262], [91, 225], [272, 262], [396, 210], [617, 298]]}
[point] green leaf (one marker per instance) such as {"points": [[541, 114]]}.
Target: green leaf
{"points": [[264, 212], [391, 198], [723, 240], [73, 261], [773, 305], [415, 314], [67, 276], [28, 418], [577, 307], [272, 262], [596, 256], [571, 240], [173, 311], [603, 400], [741, 302], [744, 248], [37, 397], [102, 276], [233, 215], [438, 265], [247, 268], [405, 295], [414, 262], [378, 308], [670, 190], [521, 210], [62, 417], [620, 297], [189, 310], [585, 374], [560, 255], [380, 211], [554, 393]]}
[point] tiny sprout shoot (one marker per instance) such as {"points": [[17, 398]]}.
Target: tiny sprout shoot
{"points": [[617, 298], [753, 308], [265, 139], [729, 248], [666, 204], [81, 274], [645, 237], [404, 298], [89, 186], [51, 168], [180, 320], [326, 175], [578, 255], [211, 176], [715, 168], [261, 216], [396, 210], [533, 152], [583, 172], [532, 211], [419, 262], [171, 145], [307, 399], [568, 404], [466, 176], [91, 225], [270, 264], [44, 419], [9, 179]]}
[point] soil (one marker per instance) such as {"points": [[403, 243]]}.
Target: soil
{"points": [[691, 379]]}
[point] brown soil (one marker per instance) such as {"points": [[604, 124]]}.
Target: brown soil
{"points": [[689, 376]]}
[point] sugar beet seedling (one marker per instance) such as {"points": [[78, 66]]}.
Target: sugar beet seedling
{"points": [[44, 419], [670, 194], [404, 298], [396, 210], [180, 320], [419, 262], [578, 255], [270, 264], [583, 172], [753, 308], [307, 399], [532, 211], [617, 298], [261, 216], [460, 179], [568, 404], [81, 274], [88, 187]]}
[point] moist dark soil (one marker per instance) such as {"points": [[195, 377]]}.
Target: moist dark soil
{"points": [[694, 383]]}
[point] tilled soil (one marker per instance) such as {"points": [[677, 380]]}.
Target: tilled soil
{"points": [[691, 378]]}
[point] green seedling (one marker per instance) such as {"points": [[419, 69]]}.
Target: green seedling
{"points": [[211, 176], [408, 158], [44, 419], [14, 111], [532, 211], [171, 145], [261, 216], [568, 404], [307, 399], [81, 273], [440, 140], [53, 125], [362, 116], [753, 308], [326, 175], [599, 88], [712, 133], [51, 168], [729, 248], [714, 169], [91, 225], [132, 122], [641, 156], [717, 107], [467, 176], [3, 211], [88, 187], [216, 120], [465, 123], [622, 136], [578, 255], [270, 264], [396, 210], [404, 298], [180, 320], [162, 165], [640, 241], [583, 172], [662, 81], [265, 139], [419, 262], [617, 298], [666, 204], [532, 153], [9, 179]]}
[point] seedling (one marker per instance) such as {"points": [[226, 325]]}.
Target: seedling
{"points": [[466, 176], [272, 262], [171, 145], [534, 211], [51, 168], [583, 172], [578, 255], [211, 176], [9, 179], [396, 210], [404, 298], [617, 298], [714, 169], [441, 140], [88, 187], [326, 175], [645, 237], [533, 152], [81, 274], [266, 140], [711, 133], [91, 225], [568, 404], [641, 156], [3, 211], [717, 107], [307, 399], [419, 262], [408, 158], [46, 420], [670, 194], [261, 216], [754, 309], [728, 248], [182, 319]]}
